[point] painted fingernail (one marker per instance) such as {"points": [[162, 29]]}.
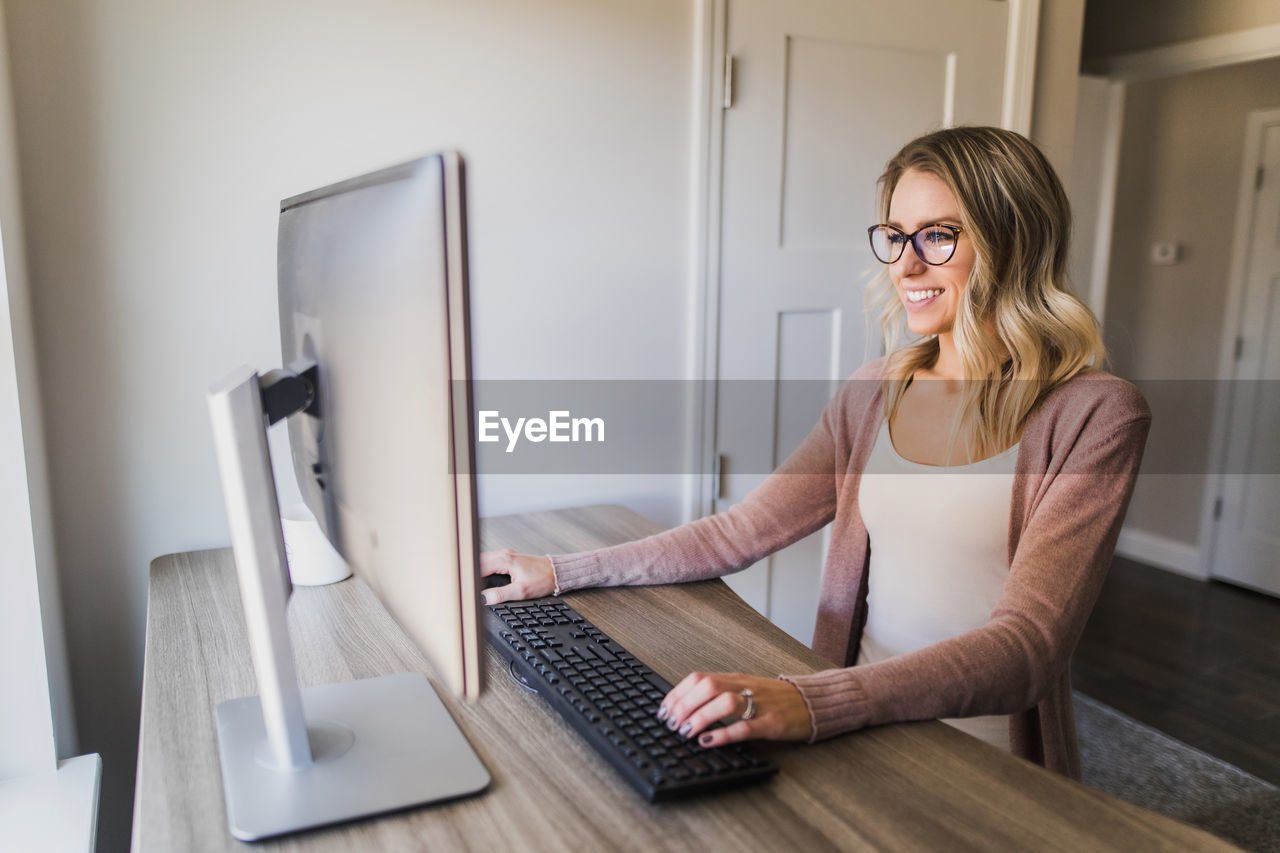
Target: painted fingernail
{"points": [[705, 740], [671, 723], [662, 712], [686, 728]]}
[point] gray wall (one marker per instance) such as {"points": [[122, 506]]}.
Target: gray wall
{"points": [[1053, 109], [1180, 167], [1123, 26], [156, 140]]}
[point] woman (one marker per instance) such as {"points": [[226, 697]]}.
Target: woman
{"points": [[998, 463]]}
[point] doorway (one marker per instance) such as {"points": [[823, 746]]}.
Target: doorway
{"points": [[1169, 272]]}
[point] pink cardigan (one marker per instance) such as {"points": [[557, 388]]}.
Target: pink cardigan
{"points": [[1075, 471]]}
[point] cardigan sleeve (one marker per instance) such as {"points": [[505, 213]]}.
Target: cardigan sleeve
{"points": [[792, 502], [1055, 575]]}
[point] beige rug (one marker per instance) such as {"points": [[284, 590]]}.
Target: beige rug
{"points": [[1146, 767]]}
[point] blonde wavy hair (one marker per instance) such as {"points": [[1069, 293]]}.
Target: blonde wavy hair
{"points": [[1019, 331]]}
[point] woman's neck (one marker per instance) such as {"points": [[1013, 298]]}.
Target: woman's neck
{"points": [[948, 364]]}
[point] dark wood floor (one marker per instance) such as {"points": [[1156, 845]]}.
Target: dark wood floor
{"points": [[1199, 661]]}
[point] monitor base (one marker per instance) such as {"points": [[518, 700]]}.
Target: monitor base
{"points": [[378, 745]]}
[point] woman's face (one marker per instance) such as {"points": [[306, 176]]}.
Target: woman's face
{"points": [[930, 294]]}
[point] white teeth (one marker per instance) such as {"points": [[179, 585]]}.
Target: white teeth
{"points": [[921, 295]]}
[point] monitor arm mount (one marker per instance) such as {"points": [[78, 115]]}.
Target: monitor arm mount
{"points": [[290, 391], [241, 407]]}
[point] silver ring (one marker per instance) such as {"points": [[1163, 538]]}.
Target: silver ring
{"points": [[751, 705]]}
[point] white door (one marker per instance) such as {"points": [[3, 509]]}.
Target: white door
{"points": [[1247, 541], [824, 93]]}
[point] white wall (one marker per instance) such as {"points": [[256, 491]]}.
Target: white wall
{"points": [[1180, 169], [1086, 187], [36, 721], [26, 720], [1053, 112], [156, 139]]}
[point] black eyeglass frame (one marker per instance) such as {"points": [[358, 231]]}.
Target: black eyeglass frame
{"points": [[914, 239]]}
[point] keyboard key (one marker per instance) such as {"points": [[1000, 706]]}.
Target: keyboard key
{"points": [[659, 683], [698, 767]]}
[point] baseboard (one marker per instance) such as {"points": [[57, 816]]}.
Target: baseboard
{"points": [[1161, 552]]}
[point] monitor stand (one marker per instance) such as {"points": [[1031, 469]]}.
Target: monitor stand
{"points": [[294, 758]]}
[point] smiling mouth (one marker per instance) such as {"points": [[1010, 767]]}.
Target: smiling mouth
{"points": [[922, 295]]}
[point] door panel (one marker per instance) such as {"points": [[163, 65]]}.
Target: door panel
{"points": [[1247, 542], [824, 94], [831, 88]]}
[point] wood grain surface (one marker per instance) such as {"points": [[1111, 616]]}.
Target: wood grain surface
{"points": [[919, 786], [1195, 660]]}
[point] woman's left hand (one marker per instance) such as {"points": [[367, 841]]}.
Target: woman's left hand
{"points": [[778, 712]]}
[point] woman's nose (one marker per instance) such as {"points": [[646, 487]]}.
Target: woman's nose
{"points": [[909, 263]]}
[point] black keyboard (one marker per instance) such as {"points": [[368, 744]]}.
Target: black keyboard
{"points": [[609, 697]]}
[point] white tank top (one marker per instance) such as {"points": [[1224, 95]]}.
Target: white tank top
{"points": [[939, 555]]}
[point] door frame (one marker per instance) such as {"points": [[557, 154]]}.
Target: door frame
{"points": [[1169, 61], [709, 74], [710, 34], [1232, 330]]}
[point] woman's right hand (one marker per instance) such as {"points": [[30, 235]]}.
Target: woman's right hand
{"points": [[531, 577]]}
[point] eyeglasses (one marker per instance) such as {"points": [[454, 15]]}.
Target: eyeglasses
{"points": [[934, 244]]}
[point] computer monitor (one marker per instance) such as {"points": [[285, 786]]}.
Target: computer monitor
{"points": [[372, 276]]}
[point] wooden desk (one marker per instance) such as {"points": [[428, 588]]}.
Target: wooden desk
{"points": [[922, 786]]}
